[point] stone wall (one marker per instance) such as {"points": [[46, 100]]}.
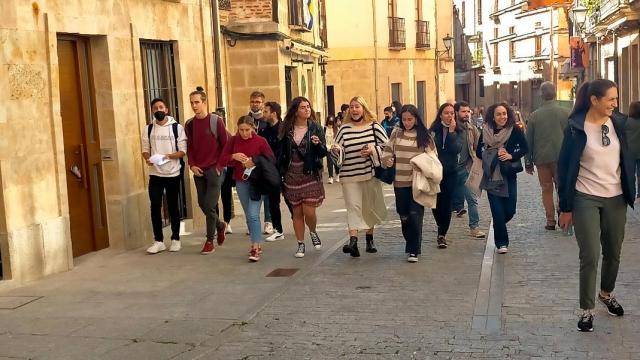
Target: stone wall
{"points": [[34, 236]]}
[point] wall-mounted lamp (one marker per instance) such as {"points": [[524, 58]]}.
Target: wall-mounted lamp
{"points": [[579, 15], [446, 53]]}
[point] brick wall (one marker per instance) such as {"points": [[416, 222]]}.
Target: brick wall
{"points": [[250, 11]]}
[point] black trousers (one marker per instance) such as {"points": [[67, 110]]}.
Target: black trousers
{"points": [[411, 216], [208, 188], [442, 212], [274, 210], [226, 194], [157, 187]]}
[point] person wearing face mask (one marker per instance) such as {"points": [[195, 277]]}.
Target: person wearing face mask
{"points": [[390, 120], [164, 143], [596, 183], [502, 145], [256, 111], [357, 150], [445, 132]]}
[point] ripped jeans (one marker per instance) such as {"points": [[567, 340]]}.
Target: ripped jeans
{"points": [[411, 216]]}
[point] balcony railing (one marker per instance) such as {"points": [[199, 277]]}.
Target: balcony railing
{"points": [[423, 38], [477, 57], [397, 33]]}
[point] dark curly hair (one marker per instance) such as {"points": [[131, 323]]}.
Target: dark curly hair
{"points": [[423, 138], [490, 120]]}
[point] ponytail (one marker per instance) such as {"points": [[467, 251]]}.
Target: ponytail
{"points": [[199, 91], [597, 88]]}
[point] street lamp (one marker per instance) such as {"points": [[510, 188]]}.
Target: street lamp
{"points": [[448, 43], [579, 14]]}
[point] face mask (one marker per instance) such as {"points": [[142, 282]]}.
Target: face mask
{"points": [[159, 115]]}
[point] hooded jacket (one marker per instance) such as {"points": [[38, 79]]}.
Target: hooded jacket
{"points": [[162, 142], [575, 140]]}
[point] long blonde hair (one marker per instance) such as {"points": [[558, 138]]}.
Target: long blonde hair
{"points": [[367, 115]]}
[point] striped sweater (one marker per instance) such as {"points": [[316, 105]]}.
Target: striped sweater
{"points": [[351, 139], [404, 146]]}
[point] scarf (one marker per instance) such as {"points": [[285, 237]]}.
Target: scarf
{"points": [[492, 180]]}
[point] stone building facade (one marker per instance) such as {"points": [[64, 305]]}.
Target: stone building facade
{"points": [[76, 78], [392, 50], [275, 47]]}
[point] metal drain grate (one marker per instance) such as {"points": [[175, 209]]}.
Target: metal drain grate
{"points": [[282, 272]]}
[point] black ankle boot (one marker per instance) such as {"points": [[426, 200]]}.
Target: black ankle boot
{"points": [[371, 247], [352, 247]]}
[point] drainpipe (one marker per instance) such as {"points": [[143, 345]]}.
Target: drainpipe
{"points": [[215, 31], [375, 52]]}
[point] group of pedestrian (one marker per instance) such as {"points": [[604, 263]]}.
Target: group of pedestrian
{"points": [[441, 167]]}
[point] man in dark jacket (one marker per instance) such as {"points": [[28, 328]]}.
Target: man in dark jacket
{"points": [[544, 135], [272, 113], [256, 103]]}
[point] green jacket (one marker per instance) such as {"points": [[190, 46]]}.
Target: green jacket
{"points": [[632, 129], [545, 129]]}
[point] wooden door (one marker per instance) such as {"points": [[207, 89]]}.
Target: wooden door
{"points": [[83, 163]]}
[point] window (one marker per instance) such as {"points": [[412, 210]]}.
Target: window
{"points": [[159, 80], [393, 8], [420, 97], [635, 73], [481, 86], [463, 14], [296, 16], [423, 40], [396, 33], [396, 92], [512, 44]]}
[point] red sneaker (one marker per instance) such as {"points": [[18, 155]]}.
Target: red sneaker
{"points": [[222, 233], [208, 248], [254, 255]]}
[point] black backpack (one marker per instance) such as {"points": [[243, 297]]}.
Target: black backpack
{"points": [[174, 127]]}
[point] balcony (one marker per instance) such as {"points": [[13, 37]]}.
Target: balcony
{"points": [[423, 40], [397, 33], [608, 7], [477, 58]]}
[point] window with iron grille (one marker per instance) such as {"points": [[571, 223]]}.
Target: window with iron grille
{"points": [[159, 81], [224, 4], [396, 33], [423, 39]]}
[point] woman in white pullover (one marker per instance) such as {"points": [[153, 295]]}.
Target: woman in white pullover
{"points": [[357, 150], [164, 143]]}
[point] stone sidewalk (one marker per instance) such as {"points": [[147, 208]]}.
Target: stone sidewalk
{"points": [[134, 306]]}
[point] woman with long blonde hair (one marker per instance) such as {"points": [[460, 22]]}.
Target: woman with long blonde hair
{"points": [[357, 150]]}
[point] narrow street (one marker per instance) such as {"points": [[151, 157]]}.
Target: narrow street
{"points": [[462, 302]]}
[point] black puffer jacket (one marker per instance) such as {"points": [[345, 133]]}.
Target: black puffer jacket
{"points": [[575, 140], [313, 155], [264, 179]]}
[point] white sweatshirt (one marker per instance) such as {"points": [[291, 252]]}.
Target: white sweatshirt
{"points": [[162, 142]]}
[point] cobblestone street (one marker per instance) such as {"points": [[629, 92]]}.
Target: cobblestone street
{"points": [[462, 302]]}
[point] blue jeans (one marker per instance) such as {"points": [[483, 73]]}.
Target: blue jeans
{"points": [[251, 210], [462, 193], [503, 209]]}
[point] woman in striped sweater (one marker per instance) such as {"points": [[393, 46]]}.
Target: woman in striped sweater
{"points": [[357, 150], [409, 139]]}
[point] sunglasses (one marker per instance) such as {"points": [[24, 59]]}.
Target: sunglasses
{"points": [[605, 139]]}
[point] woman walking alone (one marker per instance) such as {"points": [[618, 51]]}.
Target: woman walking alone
{"points": [[445, 134], [240, 152], [357, 150], [410, 139], [501, 147], [595, 186], [300, 163]]}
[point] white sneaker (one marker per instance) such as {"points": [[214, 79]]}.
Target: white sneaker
{"points": [[330, 181], [503, 250], [268, 228], [413, 258], [228, 231], [156, 247], [175, 246], [275, 237]]}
